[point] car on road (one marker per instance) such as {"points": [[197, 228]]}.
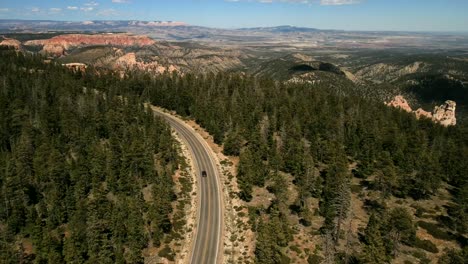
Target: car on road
{"points": [[203, 173]]}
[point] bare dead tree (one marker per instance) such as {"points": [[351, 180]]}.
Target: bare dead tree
{"points": [[329, 247], [349, 237], [342, 204]]}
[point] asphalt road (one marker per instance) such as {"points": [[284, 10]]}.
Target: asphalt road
{"points": [[207, 245]]}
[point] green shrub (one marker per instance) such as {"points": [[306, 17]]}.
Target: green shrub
{"points": [[419, 254], [419, 211], [356, 189], [315, 259], [295, 249], [166, 252], [426, 245], [435, 231]]}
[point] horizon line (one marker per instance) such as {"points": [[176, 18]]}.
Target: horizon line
{"points": [[239, 28]]}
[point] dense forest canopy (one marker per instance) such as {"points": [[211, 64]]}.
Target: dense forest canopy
{"points": [[295, 128], [73, 165], [74, 162]]}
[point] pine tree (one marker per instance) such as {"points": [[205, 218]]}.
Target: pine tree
{"points": [[374, 249]]}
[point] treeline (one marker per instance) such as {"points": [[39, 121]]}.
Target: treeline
{"points": [[73, 164], [298, 128]]}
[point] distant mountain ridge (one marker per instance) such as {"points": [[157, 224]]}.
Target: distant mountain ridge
{"points": [[284, 37], [15, 24], [282, 29]]}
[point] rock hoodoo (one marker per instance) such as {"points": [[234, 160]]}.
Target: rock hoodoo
{"points": [[129, 61], [444, 114]]}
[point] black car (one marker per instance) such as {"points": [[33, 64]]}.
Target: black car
{"points": [[203, 173]]}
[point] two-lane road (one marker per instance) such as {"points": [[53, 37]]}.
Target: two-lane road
{"points": [[207, 243]]}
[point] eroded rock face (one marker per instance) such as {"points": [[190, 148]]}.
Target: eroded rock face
{"points": [[75, 66], [59, 44], [400, 102], [11, 43], [422, 113], [56, 50], [129, 61], [445, 114]]}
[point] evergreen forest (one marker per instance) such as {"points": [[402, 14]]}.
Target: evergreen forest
{"points": [[76, 149], [73, 163]]}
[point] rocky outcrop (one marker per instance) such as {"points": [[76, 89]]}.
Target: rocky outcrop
{"points": [[444, 114], [11, 43], [75, 66], [350, 76], [157, 23], [400, 102], [59, 44], [422, 113], [129, 61]]}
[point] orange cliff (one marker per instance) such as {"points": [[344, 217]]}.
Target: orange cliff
{"points": [[59, 44], [444, 114], [9, 42]]}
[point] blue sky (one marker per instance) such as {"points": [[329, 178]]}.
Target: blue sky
{"points": [[408, 15]]}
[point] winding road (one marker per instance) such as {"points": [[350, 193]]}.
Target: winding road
{"points": [[207, 242]]}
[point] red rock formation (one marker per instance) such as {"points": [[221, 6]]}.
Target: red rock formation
{"points": [[11, 43], [129, 61], [421, 113], [445, 114], [59, 44], [400, 102], [76, 66]]}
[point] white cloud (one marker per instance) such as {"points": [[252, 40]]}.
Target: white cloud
{"points": [[108, 12], [87, 9], [35, 9], [72, 8], [339, 2], [55, 9], [92, 3], [322, 2], [4, 9], [272, 1], [120, 1]]}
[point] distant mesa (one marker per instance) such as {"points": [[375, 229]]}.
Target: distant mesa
{"points": [[282, 29], [157, 23], [59, 44], [443, 114]]}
